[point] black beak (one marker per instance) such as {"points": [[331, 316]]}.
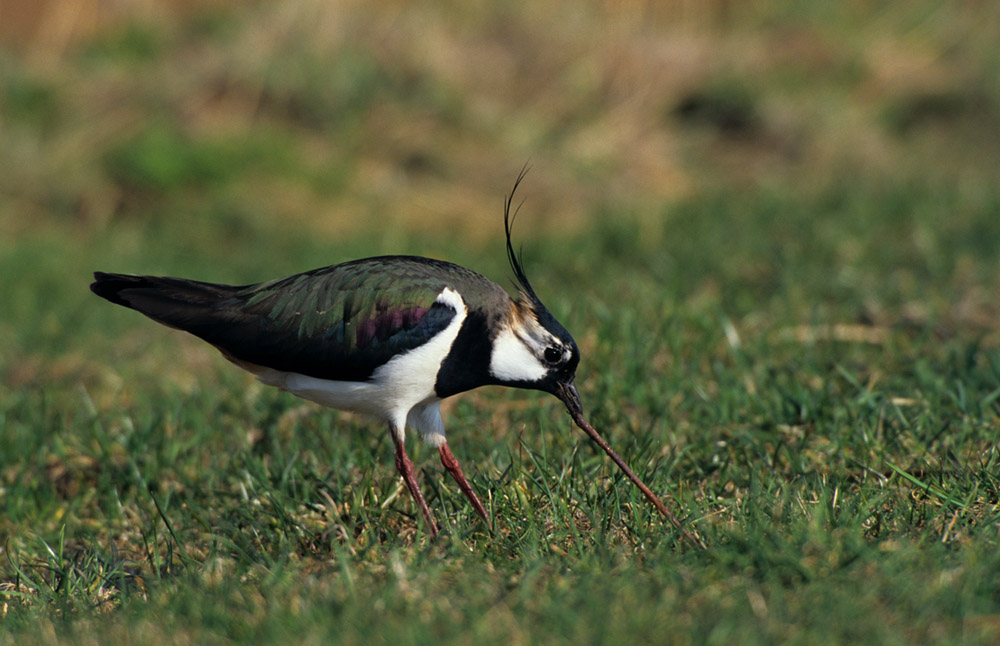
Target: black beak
{"points": [[567, 394]]}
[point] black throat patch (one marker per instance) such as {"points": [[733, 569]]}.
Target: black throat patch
{"points": [[467, 365]]}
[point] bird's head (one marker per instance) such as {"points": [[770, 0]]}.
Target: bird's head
{"points": [[531, 349]]}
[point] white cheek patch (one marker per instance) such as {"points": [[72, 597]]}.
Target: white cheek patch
{"points": [[512, 360]]}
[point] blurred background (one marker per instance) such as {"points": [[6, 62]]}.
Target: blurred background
{"points": [[236, 141], [324, 114]]}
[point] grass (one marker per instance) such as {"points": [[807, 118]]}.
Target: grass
{"points": [[788, 330], [844, 477]]}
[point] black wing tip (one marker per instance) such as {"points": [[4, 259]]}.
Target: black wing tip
{"points": [[109, 286], [509, 215]]}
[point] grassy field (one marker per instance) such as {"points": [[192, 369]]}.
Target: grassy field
{"points": [[774, 233]]}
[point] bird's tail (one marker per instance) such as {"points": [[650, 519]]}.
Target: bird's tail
{"points": [[179, 303]]}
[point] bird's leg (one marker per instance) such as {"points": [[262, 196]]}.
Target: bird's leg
{"points": [[405, 467], [451, 465]]}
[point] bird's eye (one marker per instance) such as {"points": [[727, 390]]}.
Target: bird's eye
{"points": [[552, 354]]}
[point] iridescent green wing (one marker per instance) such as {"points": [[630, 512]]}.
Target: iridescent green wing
{"points": [[340, 322]]}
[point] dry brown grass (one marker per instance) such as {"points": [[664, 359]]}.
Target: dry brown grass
{"points": [[631, 104]]}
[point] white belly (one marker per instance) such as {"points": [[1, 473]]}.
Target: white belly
{"points": [[401, 392]]}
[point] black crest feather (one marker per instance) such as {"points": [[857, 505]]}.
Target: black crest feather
{"points": [[509, 214]]}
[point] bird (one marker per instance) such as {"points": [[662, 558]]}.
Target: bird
{"points": [[388, 337]]}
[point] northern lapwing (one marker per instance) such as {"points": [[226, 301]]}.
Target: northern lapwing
{"points": [[388, 337]]}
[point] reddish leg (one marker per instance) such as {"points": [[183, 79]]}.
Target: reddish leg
{"points": [[405, 467], [451, 464]]}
